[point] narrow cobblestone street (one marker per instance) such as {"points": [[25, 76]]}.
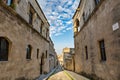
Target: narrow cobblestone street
{"points": [[61, 74], [59, 39]]}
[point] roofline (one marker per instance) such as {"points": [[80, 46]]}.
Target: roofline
{"points": [[42, 12], [51, 40], [76, 9]]}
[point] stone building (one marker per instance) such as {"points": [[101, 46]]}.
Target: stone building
{"points": [[97, 38], [60, 59], [52, 56], [68, 58], [24, 40]]}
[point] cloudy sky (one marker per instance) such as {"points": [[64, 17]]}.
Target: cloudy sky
{"points": [[59, 14]]}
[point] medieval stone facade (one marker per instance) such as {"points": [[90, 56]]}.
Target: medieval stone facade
{"points": [[68, 58], [60, 59], [24, 40], [97, 38], [53, 60]]}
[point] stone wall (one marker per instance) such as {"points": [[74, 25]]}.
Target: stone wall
{"points": [[20, 34], [99, 27], [68, 58], [52, 56], [39, 19]]}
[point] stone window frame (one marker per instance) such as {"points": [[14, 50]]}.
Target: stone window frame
{"points": [[32, 14], [41, 27], [47, 32], [8, 43], [28, 52], [102, 50], [77, 24]]}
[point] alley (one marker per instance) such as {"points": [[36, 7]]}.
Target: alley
{"points": [[61, 74], [59, 39]]}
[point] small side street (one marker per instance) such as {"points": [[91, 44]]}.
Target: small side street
{"points": [[60, 74]]}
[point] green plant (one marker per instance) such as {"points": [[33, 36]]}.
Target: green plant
{"points": [[13, 6]]}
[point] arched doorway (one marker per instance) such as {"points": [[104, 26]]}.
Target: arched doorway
{"points": [[41, 64]]}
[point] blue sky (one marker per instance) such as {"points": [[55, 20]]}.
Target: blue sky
{"points": [[59, 14]]}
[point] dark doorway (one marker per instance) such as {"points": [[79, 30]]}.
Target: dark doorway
{"points": [[41, 64]]}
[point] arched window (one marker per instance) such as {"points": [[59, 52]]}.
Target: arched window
{"points": [[77, 23], [4, 48], [29, 51]]}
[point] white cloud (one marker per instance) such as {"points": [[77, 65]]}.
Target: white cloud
{"points": [[57, 12], [64, 31], [60, 8], [70, 3], [52, 28], [70, 28], [65, 15], [58, 34], [74, 6], [69, 22], [60, 28]]}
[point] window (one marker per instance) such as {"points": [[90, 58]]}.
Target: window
{"points": [[4, 48], [102, 50], [97, 2], [30, 17], [29, 50], [37, 53], [41, 27], [86, 51], [84, 19], [46, 54], [8, 2], [77, 23], [32, 14], [47, 31]]}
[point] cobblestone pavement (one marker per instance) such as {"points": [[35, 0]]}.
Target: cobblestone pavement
{"points": [[76, 76], [66, 75], [59, 75]]}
